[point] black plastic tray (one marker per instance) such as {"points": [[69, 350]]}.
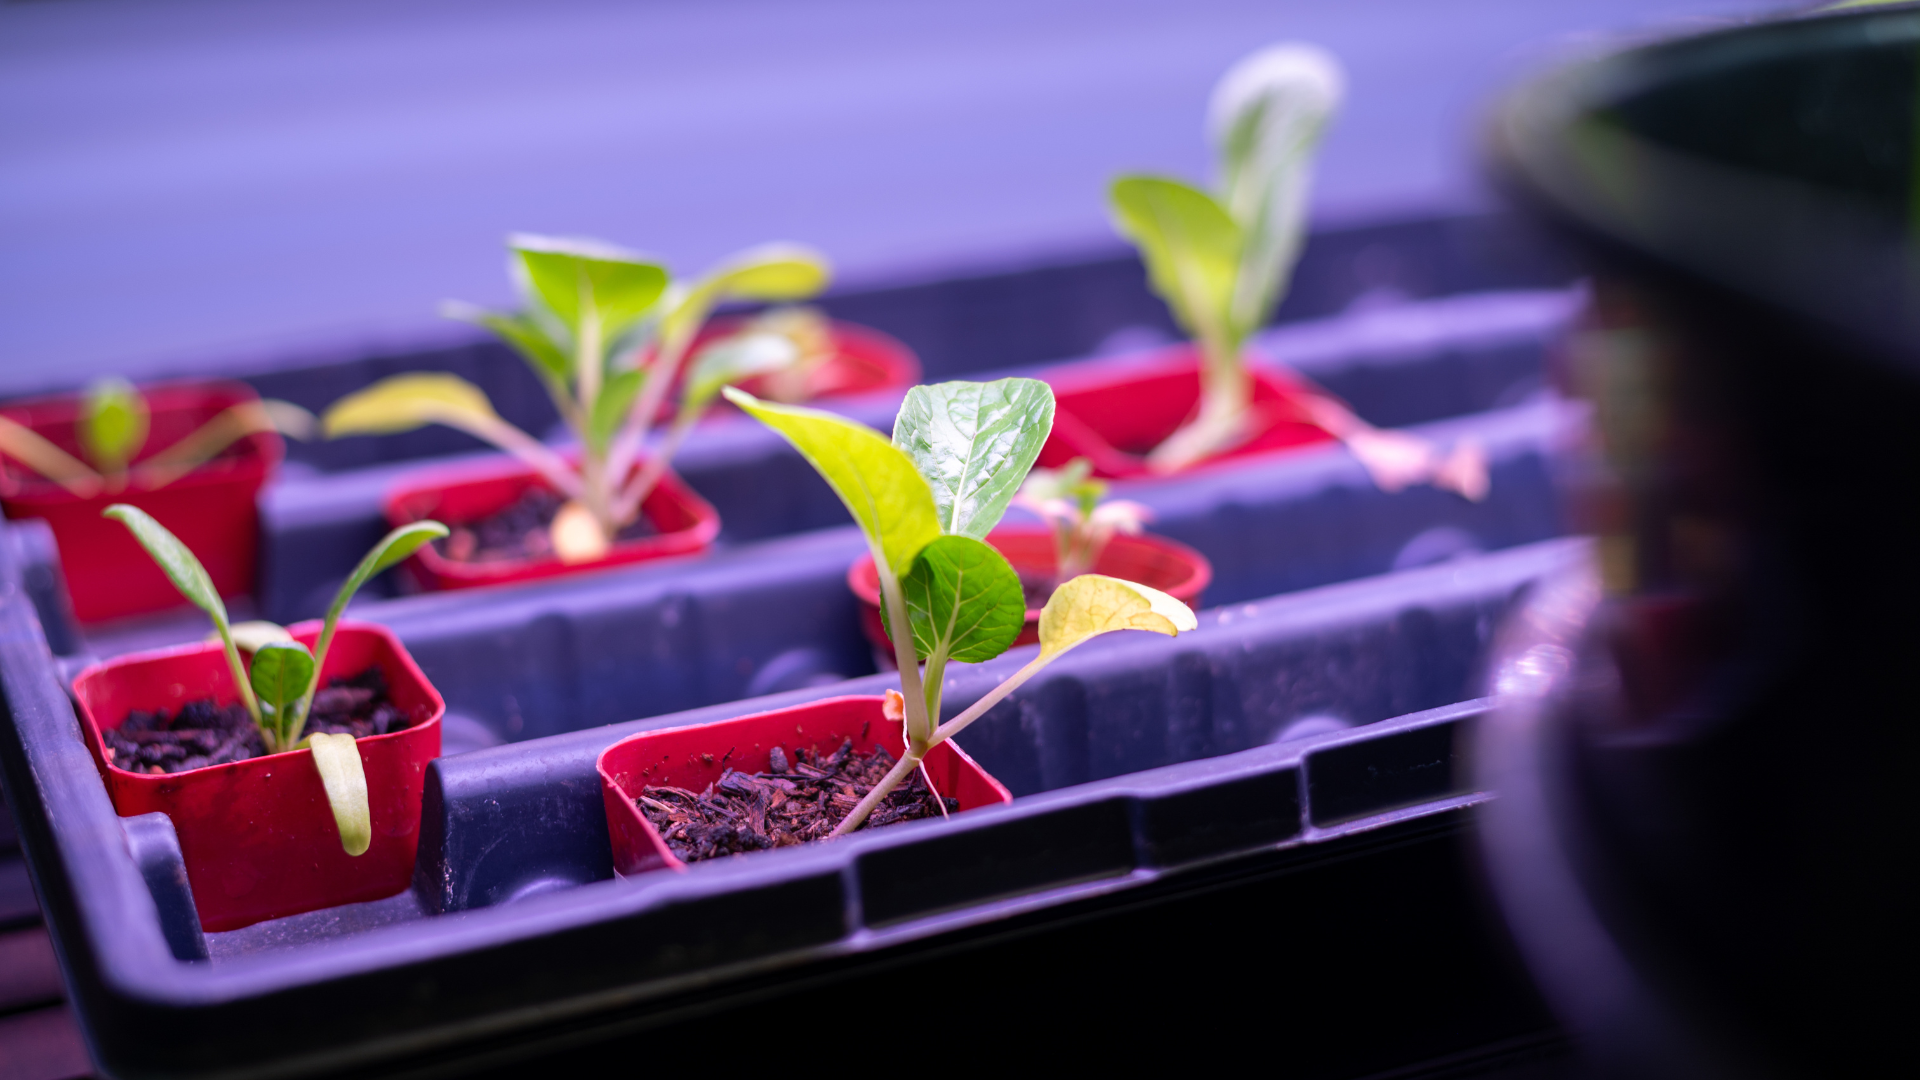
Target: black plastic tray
{"points": [[1148, 770]]}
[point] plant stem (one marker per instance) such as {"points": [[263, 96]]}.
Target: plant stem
{"points": [[900, 771], [653, 392], [919, 726], [635, 495], [239, 672], [993, 697]]}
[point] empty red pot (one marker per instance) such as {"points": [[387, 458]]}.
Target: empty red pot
{"points": [[685, 523], [693, 757], [1153, 561], [211, 510], [258, 835], [1112, 412]]}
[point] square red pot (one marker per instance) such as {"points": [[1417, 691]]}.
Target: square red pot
{"points": [[1113, 412], [211, 510], [1153, 561], [686, 523], [863, 360], [258, 835], [694, 756]]}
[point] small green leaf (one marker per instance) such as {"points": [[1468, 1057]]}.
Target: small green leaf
{"points": [[281, 673], [174, 559], [1093, 604], [1191, 246], [1267, 115], [611, 407], [345, 780], [772, 273], [574, 278], [392, 548], [878, 483], [548, 358], [974, 442], [113, 423], [734, 358], [964, 599], [405, 402], [249, 636]]}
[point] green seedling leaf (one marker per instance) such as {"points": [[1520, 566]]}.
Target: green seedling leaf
{"points": [[338, 760], [611, 406], [879, 484], [731, 359], [392, 548], [404, 402], [771, 273], [191, 579], [113, 423], [1093, 604], [579, 278], [174, 560], [1267, 116], [974, 442], [548, 358], [281, 674], [1191, 246], [249, 636], [964, 599]]}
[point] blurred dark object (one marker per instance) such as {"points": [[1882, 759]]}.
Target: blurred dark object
{"points": [[1705, 739]]}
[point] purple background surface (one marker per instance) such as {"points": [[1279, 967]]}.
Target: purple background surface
{"points": [[190, 182]]}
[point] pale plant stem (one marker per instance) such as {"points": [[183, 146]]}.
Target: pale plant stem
{"points": [[548, 464], [919, 725], [239, 673], [900, 771], [916, 754], [36, 453], [993, 697], [653, 393], [655, 467]]}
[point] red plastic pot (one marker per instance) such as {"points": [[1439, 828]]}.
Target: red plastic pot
{"points": [[211, 509], [695, 756], [1113, 412], [259, 838], [863, 359], [1154, 561], [686, 524]]}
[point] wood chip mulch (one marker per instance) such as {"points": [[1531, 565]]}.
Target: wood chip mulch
{"points": [[801, 799]]}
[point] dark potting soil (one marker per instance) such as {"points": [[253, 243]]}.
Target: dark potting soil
{"points": [[802, 799], [202, 734], [520, 531]]}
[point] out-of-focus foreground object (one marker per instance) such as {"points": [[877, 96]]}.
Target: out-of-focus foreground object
{"points": [[1705, 736]]}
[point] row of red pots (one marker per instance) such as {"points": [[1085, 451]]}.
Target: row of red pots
{"points": [[1103, 414]]}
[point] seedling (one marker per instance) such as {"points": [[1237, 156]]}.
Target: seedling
{"points": [[278, 687], [112, 431], [1222, 260], [925, 502], [608, 332], [1071, 502]]}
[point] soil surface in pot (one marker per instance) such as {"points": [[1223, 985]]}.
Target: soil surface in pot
{"points": [[801, 799], [521, 531], [201, 734]]}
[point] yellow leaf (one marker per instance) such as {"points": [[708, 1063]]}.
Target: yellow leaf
{"points": [[1093, 604], [338, 760], [405, 402]]}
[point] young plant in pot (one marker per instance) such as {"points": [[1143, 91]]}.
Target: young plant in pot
{"points": [[1082, 532], [609, 333], [193, 455], [925, 502], [1222, 260], [293, 776]]}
